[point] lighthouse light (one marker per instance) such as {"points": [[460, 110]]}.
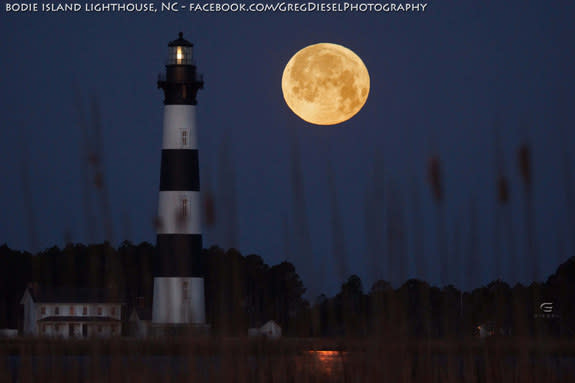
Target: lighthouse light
{"points": [[180, 55]]}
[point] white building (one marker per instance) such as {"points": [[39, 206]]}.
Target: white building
{"points": [[270, 330], [139, 322], [71, 313], [8, 333]]}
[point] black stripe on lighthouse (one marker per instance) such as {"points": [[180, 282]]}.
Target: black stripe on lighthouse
{"points": [[180, 170], [188, 263]]}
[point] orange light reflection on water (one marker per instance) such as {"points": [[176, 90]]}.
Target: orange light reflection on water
{"points": [[328, 361]]}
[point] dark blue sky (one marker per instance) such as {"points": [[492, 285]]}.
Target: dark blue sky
{"points": [[438, 80]]}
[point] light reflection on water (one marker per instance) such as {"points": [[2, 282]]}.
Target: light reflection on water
{"points": [[328, 361], [313, 365]]}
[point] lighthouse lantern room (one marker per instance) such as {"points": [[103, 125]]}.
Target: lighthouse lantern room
{"points": [[180, 52]]}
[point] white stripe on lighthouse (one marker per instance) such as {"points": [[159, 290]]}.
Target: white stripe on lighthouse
{"points": [[179, 212], [179, 127], [185, 304]]}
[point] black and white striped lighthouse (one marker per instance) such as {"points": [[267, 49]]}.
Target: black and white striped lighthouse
{"points": [[178, 279]]}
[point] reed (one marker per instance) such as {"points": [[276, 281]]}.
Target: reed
{"points": [[384, 351], [243, 360]]}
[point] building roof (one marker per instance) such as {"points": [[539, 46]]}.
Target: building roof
{"points": [[143, 313], [73, 295], [78, 319], [272, 323]]}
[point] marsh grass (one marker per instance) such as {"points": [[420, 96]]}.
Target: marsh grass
{"points": [[290, 360], [384, 356]]}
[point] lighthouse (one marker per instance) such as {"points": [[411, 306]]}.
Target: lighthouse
{"points": [[178, 300]]}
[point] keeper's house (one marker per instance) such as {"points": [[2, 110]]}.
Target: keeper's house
{"points": [[71, 313]]}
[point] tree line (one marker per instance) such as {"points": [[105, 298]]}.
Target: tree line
{"points": [[243, 291]]}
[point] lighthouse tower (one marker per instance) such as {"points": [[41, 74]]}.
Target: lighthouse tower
{"points": [[178, 273]]}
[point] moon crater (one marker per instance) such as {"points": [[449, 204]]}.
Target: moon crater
{"points": [[325, 84]]}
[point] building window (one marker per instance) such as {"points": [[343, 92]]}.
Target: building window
{"points": [[43, 310], [56, 310], [72, 310], [99, 311], [185, 207], [185, 289], [85, 310], [57, 327], [184, 137], [113, 311]]}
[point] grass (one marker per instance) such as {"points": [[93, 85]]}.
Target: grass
{"points": [[375, 359], [288, 360]]}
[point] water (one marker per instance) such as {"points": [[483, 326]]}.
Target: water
{"points": [[320, 365]]}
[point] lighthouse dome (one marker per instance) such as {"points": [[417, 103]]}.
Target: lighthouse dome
{"points": [[180, 42]]}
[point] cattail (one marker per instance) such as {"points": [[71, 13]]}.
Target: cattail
{"points": [[98, 180], [158, 223], [502, 190], [67, 236], [209, 210], [524, 160], [93, 159], [435, 178]]}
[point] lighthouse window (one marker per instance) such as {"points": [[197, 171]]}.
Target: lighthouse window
{"points": [[185, 290], [185, 137], [180, 55], [185, 207]]}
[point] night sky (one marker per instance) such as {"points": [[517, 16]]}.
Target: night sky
{"points": [[440, 82]]}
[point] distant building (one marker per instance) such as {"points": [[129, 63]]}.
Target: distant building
{"points": [[485, 330], [270, 330], [490, 328], [71, 313], [140, 320], [8, 333]]}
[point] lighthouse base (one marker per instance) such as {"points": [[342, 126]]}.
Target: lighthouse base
{"points": [[178, 301], [178, 331]]}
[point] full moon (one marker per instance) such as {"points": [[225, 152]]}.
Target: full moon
{"points": [[325, 84]]}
